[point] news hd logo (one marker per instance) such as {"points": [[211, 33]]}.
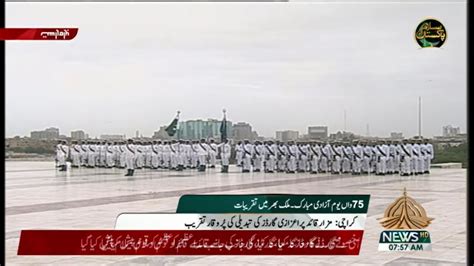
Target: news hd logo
{"points": [[404, 218]]}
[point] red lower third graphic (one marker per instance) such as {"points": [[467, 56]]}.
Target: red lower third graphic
{"points": [[38, 34], [185, 242]]}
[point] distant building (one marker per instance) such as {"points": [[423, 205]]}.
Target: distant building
{"points": [[52, 130], [450, 131], [78, 135], [49, 133], [112, 137], [443, 142], [396, 135], [304, 137], [342, 136], [255, 136], [161, 134], [287, 135], [241, 131], [317, 132], [199, 129]]}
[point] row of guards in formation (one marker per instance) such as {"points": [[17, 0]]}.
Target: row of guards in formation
{"points": [[407, 157]]}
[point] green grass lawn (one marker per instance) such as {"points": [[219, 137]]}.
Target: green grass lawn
{"points": [[452, 155]]}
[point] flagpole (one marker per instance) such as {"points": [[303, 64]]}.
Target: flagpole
{"points": [[225, 125], [177, 126]]}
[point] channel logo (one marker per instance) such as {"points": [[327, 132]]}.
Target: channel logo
{"points": [[403, 220]]}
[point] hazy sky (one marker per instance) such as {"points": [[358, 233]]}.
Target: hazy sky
{"points": [[277, 66]]}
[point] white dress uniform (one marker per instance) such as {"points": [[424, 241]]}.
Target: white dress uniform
{"points": [[85, 155], [187, 155], [68, 153], [166, 156], [337, 159], [376, 159], [212, 154], [416, 159], [107, 154], [373, 162], [274, 148], [91, 156], [96, 148], [102, 154], [154, 156], [239, 153], [117, 154], [159, 149], [180, 155], [258, 156], [346, 159], [140, 156], [429, 156], [247, 150], [406, 153], [315, 151], [225, 152], [396, 159], [110, 156], [194, 155], [270, 157], [302, 155], [76, 155], [147, 155], [382, 153], [292, 152], [84, 152], [421, 159], [123, 155], [173, 156], [367, 151], [61, 154], [390, 162], [130, 156], [357, 157], [281, 157], [98, 154], [202, 152], [325, 158]]}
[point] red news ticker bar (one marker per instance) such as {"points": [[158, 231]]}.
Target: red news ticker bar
{"points": [[45, 34], [186, 242]]}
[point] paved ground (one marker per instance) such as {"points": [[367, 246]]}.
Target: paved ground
{"points": [[37, 196]]}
